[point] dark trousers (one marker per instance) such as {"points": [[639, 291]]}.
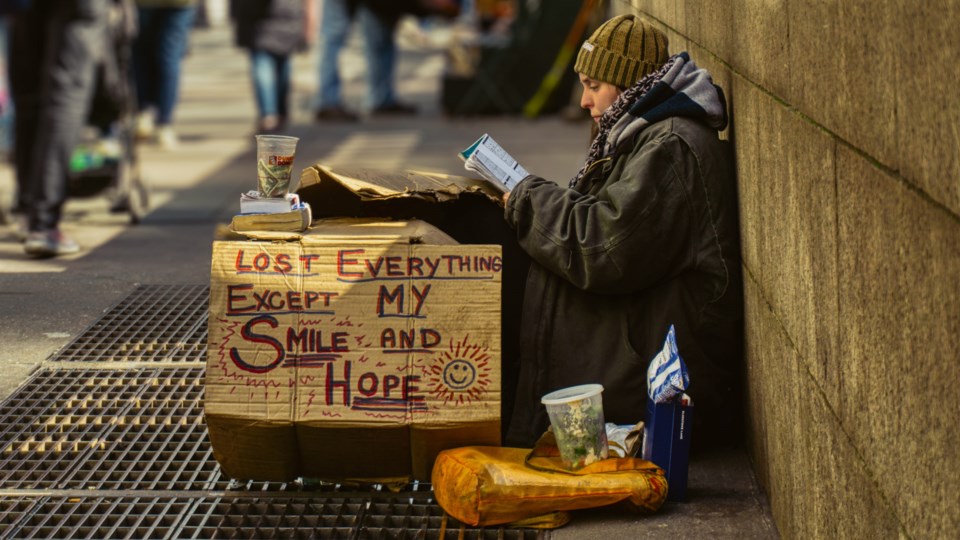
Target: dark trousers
{"points": [[54, 49], [157, 53]]}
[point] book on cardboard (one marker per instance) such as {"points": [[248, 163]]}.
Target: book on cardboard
{"points": [[252, 202], [296, 220]]}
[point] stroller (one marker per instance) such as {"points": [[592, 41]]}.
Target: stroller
{"points": [[105, 160]]}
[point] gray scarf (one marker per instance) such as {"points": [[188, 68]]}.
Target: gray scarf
{"points": [[678, 88]]}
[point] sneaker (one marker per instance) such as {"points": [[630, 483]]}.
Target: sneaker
{"points": [[21, 230], [145, 126], [109, 148], [167, 138], [394, 109], [335, 114], [269, 124], [49, 244]]}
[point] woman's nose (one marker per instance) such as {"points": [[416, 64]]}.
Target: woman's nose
{"points": [[585, 101]]}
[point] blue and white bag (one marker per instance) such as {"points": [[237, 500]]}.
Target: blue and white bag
{"points": [[667, 375]]}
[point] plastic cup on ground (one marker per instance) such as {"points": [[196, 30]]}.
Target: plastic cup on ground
{"points": [[275, 154], [576, 415]]}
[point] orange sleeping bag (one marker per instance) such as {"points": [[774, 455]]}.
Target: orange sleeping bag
{"points": [[490, 485]]}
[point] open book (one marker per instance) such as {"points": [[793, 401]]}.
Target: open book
{"points": [[488, 159]]}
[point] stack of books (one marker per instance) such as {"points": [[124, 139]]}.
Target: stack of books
{"points": [[257, 213]]}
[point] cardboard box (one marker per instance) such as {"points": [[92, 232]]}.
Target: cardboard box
{"points": [[468, 209], [356, 351]]}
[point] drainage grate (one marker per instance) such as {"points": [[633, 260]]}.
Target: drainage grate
{"points": [[71, 518], [113, 429], [153, 323], [237, 517], [12, 511], [124, 452], [107, 429]]}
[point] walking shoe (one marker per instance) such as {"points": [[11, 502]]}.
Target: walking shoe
{"points": [[269, 124], [335, 114], [394, 109], [167, 138], [22, 230], [145, 127], [49, 244]]}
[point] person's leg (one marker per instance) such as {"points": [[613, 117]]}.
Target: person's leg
{"points": [[335, 22], [264, 80], [380, 52], [283, 73], [172, 33], [76, 42], [25, 76], [143, 59]]}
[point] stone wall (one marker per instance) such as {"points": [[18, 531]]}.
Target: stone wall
{"points": [[846, 124]]}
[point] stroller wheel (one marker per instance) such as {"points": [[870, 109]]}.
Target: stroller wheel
{"points": [[131, 195], [138, 201]]}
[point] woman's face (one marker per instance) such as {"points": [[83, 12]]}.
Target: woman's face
{"points": [[597, 96]]}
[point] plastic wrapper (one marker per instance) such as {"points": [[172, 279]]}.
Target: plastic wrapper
{"points": [[667, 375], [625, 440]]}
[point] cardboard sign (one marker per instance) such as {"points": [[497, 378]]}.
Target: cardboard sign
{"points": [[358, 351]]}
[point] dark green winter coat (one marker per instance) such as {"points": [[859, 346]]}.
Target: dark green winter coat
{"points": [[647, 238]]}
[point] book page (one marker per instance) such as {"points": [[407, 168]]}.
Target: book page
{"points": [[491, 161]]}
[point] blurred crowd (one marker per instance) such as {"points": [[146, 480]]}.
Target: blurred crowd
{"points": [[83, 82]]}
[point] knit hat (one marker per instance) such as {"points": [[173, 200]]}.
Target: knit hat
{"points": [[622, 51]]}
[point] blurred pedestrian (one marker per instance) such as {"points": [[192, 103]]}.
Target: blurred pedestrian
{"points": [[378, 23], [164, 27], [58, 44], [272, 31]]}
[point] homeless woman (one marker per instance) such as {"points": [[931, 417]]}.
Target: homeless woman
{"points": [[644, 236]]}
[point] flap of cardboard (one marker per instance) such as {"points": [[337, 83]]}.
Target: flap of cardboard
{"points": [[322, 186], [337, 231]]}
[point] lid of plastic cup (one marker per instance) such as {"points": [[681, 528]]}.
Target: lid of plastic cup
{"points": [[572, 393]]}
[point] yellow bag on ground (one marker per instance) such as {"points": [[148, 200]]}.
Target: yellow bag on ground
{"points": [[490, 485]]}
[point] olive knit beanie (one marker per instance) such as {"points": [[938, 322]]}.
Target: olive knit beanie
{"points": [[622, 51]]}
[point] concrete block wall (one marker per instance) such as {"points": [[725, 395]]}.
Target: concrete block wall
{"points": [[846, 124]]}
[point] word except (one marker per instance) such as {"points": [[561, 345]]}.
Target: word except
{"points": [[243, 299]]}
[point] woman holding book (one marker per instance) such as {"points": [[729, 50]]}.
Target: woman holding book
{"points": [[644, 236]]}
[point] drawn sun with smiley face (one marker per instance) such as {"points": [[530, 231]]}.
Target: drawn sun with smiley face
{"points": [[461, 374]]}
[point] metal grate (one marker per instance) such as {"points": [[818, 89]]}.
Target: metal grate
{"points": [[123, 452], [157, 517], [70, 518], [153, 323], [113, 429], [107, 429], [12, 511]]}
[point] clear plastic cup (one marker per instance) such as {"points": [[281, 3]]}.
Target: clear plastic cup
{"points": [[275, 154], [576, 414]]}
